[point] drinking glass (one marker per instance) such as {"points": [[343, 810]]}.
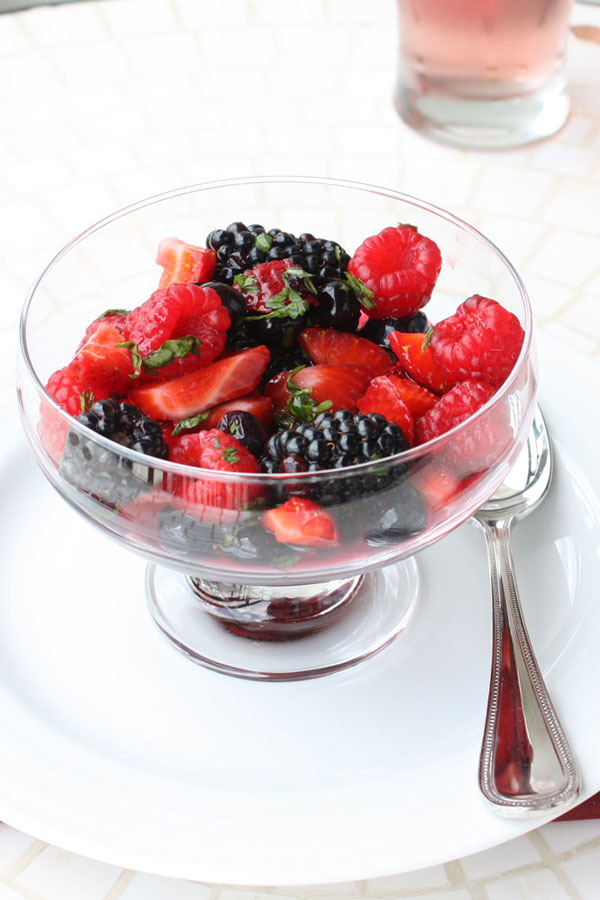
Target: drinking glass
{"points": [[483, 74]]}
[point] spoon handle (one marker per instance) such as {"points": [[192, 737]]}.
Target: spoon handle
{"points": [[526, 766]]}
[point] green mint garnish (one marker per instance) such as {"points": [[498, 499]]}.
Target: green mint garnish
{"points": [[427, 340], [263, 242], [166, 353], [86, 400], [301, 406], [189, 423], [115, 312], [217, 443], [136, 357], [288, 303], [338, 252], [231, 455], [234, 429], [365, 295], [247, 283]]}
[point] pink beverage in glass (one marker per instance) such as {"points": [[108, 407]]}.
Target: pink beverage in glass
{"points": [[483, 73]]}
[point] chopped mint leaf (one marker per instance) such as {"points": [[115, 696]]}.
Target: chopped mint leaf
{"points": [[86, 400], [170, 350], [234, 429], [217, 443], [263, 242], [231, 455], [166, 353], [247, 283], [136, 357], [427, 341], [338, 252], [288, 303], [301, 405], [365, 295], [189, 423], [115, 312]]}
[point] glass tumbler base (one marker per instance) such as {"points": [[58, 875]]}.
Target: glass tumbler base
{"points": [[283, 634], [483, 123]]}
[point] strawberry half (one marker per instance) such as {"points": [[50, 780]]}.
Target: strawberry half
{"points": [[100, 364], [328, 346], [183, 263], [418, 399], [228, 378], [383, 397], [301, 521], [414, 355], [341, 387], [400, 266], [437, 485]]}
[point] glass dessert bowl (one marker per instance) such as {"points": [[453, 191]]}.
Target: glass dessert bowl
{"points": [[263, 574]]}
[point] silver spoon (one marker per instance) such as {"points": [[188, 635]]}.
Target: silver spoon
{"points": [[526, 766]]}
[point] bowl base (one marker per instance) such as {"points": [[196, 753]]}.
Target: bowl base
{"points": [[283, 634]]}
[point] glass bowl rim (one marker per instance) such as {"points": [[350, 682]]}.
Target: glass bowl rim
{"points": [[267, 477]]}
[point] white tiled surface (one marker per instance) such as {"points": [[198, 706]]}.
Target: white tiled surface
{"points": [[108, 101]]}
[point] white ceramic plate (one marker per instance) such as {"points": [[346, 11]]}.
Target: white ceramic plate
{"points": [[117, 747]]}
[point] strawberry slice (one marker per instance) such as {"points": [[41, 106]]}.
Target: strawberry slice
{"points": [[438, 486], [255, 403], [225, 379], [301, 521], [418, 399], [328, 346], [383, 397], [339, 386], [414, 355], [100, 364], [183, 263]]}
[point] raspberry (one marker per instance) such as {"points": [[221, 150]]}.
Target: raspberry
{"points": [[401, 267], [179, 311], [482, 443], [66, 388], [482, 340], [219, 451]]}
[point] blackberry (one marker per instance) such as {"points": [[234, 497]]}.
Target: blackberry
{"points": [[240, 247], [323, 259], [336, 441], [249, 430], [277, 334], [103, 473], [379, 330], [337, 306]]}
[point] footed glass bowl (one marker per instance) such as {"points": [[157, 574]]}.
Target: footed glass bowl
{"points": [[219, 584]]}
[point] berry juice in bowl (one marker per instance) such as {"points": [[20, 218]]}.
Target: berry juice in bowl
{"points": [[278, 396], [483, 75]]}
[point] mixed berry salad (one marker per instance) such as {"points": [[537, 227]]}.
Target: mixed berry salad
{"points": [[263, 352]]}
